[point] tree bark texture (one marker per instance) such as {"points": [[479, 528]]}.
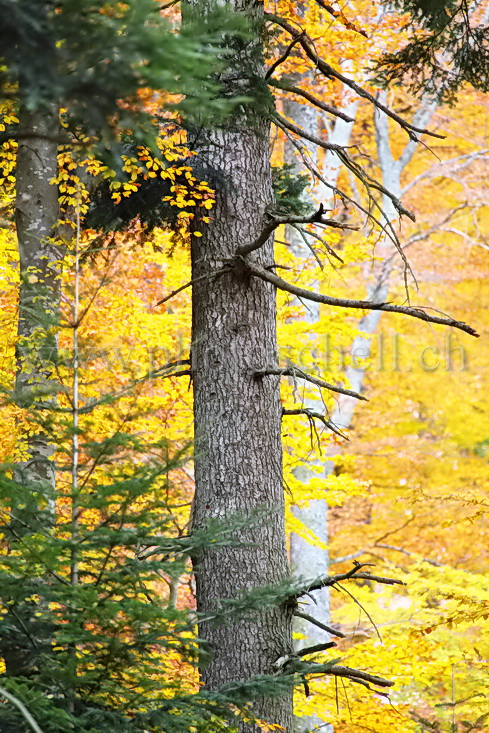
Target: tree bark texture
{"points": [[238, 454], [40, 255]]}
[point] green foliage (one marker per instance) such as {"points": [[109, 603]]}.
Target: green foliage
{"points": [[289, 188], [87, 56], [446, 52], [108, 650]]}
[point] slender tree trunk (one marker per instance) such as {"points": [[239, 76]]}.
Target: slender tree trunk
{"points": [[308, 560], [40, 256], [238, 456]]}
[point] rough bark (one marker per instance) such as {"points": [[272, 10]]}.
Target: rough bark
{"points": [[40, 255], [238, 458]]}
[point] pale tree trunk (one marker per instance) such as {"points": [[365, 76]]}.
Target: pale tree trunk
{"points": [[238, 457], [40, 255], [308, 560]]}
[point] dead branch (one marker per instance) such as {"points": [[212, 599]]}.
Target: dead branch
{"points": [[388, 231], [295, 372], [413, 311], [276, 221], [307, 135], [331, 73], [315, 416], [282, 58], [310, 98], [356, 674], [316, 648], [319, 624], [327, 247], [355, 573], [190, 283]]}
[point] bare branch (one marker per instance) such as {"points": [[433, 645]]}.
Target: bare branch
{"points": [[316, 648], [282, 58], [190, 283], [327, 247], [315, 416], [414, 312], [310, 98], [306, 135], [295, 372], [388, 231], [350, 673], [460, 161], [329, 73], [356, 573], [316, 217], [319, 624]]}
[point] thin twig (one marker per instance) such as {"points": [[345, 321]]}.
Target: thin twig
{"points": [[307, 135], [282, 58], [319, 624], [295, 372], [190, 283], [315, 416], [310, 98]]}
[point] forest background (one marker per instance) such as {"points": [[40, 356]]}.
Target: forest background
{"points": [[400, 479]]}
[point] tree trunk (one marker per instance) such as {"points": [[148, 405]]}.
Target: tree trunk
{"points": [[306, 559], [40, 256], [238, 455]]}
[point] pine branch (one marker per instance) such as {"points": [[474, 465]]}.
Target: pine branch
{"points": [[414, 312]]}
